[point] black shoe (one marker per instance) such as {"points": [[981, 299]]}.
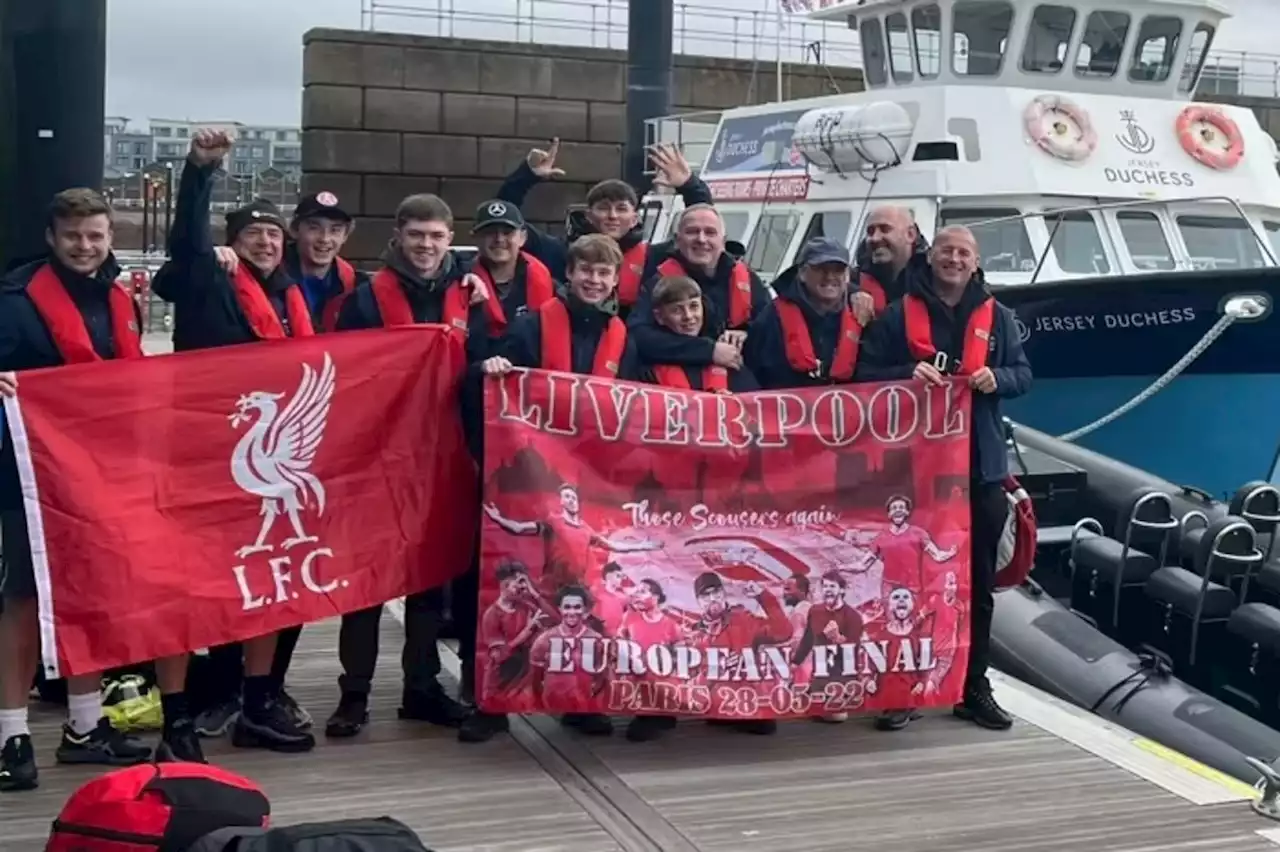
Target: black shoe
{"points": [[103, 746], [980, 707], [18, 765], [350, 717], [273, 728], [895, 720], [481, 727], [433, 706], [180, 744], [296, 711], [591, 724], [645, 728], [759, 727]]}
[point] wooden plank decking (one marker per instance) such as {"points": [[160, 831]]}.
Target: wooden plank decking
{"points": [[941, 786]]}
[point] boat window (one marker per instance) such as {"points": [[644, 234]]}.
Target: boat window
{"points": [[926, 26], [1145, 240], [1196, 55], [834, 224], [769, 243], [735, 225], [1273, 236], [895, 27], [1002, 246], [1077, 244], [1220, 242], [650, 215], [981, 34], [1047, 40], [873, 58], [1102, 44], [1156, 47]]}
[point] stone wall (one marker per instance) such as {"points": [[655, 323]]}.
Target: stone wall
{"points": [[388, 115]]}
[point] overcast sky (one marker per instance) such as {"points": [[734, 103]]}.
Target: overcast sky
{"points": [[243, 60]]}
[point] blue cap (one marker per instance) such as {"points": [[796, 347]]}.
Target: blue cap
{"points": [[820, 250]]}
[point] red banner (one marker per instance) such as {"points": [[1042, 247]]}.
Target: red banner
{"points": [[650, 551], [190, 500]]}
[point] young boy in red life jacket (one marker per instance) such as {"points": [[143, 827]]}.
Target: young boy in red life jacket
{"points": [[677, 304], [890, 256], [732, 296], [949, 324], [66, 310], [613, 209], [809, 335], [517, 281]]}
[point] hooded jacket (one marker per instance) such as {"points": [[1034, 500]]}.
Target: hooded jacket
{"points": [[886, 357], [916, 270]]}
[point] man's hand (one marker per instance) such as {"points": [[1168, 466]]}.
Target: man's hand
{"points": [[491, 510], [832, 633], [228, 260], [673, 169], [479, 289], [983, 381], [926, 372], [496, 366], [737, 338], [727, 355], [209, 146], [543, 163], [863, 307], [8, 384]]}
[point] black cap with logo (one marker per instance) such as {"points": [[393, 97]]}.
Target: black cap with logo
{"points": [[258, 211], [497, 213], [321, 205]]}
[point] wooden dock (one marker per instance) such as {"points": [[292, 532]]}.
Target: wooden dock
{"points": [[940, 786]]}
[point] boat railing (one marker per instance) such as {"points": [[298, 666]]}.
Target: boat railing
{"points": [[692, 133], [1058, 214]]}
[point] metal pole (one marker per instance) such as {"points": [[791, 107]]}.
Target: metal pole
{"points": [[168, 202], [146, 210], [649, 66]]}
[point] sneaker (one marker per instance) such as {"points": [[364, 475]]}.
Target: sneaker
{"points": [[832, 718], [18, 765], [480, 727], [350, 717], [272, 728], [980, 707], [895, 720], [434, 706], [103, 746], [646, 728], [180, 744], [300, 716], [591, 724], [216, 721]]}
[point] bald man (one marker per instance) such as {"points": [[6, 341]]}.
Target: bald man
{"points": [[949, 325], [891, 255]]}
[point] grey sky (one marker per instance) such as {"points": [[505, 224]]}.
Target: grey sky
{"points": [[173, 59]]}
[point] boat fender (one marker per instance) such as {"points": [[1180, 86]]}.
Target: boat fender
{"points": [[1210, 136], [1060, 128], [1016, 551]]}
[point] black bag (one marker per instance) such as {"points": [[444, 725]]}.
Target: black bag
{"points": [[380, 834]]}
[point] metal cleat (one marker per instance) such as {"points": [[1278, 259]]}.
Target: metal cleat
{"points": [[1266, 805]]}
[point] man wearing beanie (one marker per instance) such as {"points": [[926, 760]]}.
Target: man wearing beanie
{"points": [[518, 282], [212, 307]]}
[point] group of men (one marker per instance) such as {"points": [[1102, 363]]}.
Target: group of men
{"points": [[685, 314]]}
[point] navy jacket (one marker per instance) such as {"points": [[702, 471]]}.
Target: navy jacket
{"points": [[766, 351], [205, 310], [513, 294], [318, 292], [740, 381], [885, 357], [553, 251], [658, 345]]}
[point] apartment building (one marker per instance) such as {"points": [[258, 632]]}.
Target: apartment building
{"points": [[258, 149]]}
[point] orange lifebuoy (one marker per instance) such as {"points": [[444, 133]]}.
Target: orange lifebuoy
{"points": [[1210, 137], [1060, 128]]}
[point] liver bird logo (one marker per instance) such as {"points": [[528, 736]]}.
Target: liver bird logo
{"points": [[272, 460]]}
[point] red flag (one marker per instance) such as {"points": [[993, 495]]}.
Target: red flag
{"points": [[185, 501]]}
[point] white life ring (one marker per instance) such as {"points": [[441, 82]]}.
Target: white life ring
{"points": [[1060, 128]]}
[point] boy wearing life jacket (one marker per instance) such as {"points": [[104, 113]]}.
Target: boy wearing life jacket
{"points": [[66, 310], [577, 332], [949, 324], [613, 209], [891, 254], [678, 307], [216, 306], [732, 296], [517, 281]]}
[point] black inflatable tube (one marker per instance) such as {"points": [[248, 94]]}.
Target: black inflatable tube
{"points": [[1042, 643]]}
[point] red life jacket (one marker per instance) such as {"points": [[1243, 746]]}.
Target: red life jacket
{"points": [[393, 302], [867, 283], [799, 343], [258, 310], [977, 335], [714, 379], [66, 324], [346, 275], [739, 290], [538, 290], [557, 342], [631, 273]]}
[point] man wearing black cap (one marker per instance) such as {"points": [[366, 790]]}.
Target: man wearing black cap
{"points": [[320, 229], [518, 282], [213, 307], [808, 335]]}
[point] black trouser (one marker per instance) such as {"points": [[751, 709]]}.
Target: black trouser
{"points": [[466, 617], [221, 678], [988, 509], [420, 659]]}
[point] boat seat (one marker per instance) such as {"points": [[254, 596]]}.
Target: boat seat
{"points": [[1181, 589], [1103, 556], [1268, 577], [1054, 535], [1258, 624]]}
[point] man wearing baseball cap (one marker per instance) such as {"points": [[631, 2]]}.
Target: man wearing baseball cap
{"points": [[808, 335], [518, 282], [320, 229]]}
